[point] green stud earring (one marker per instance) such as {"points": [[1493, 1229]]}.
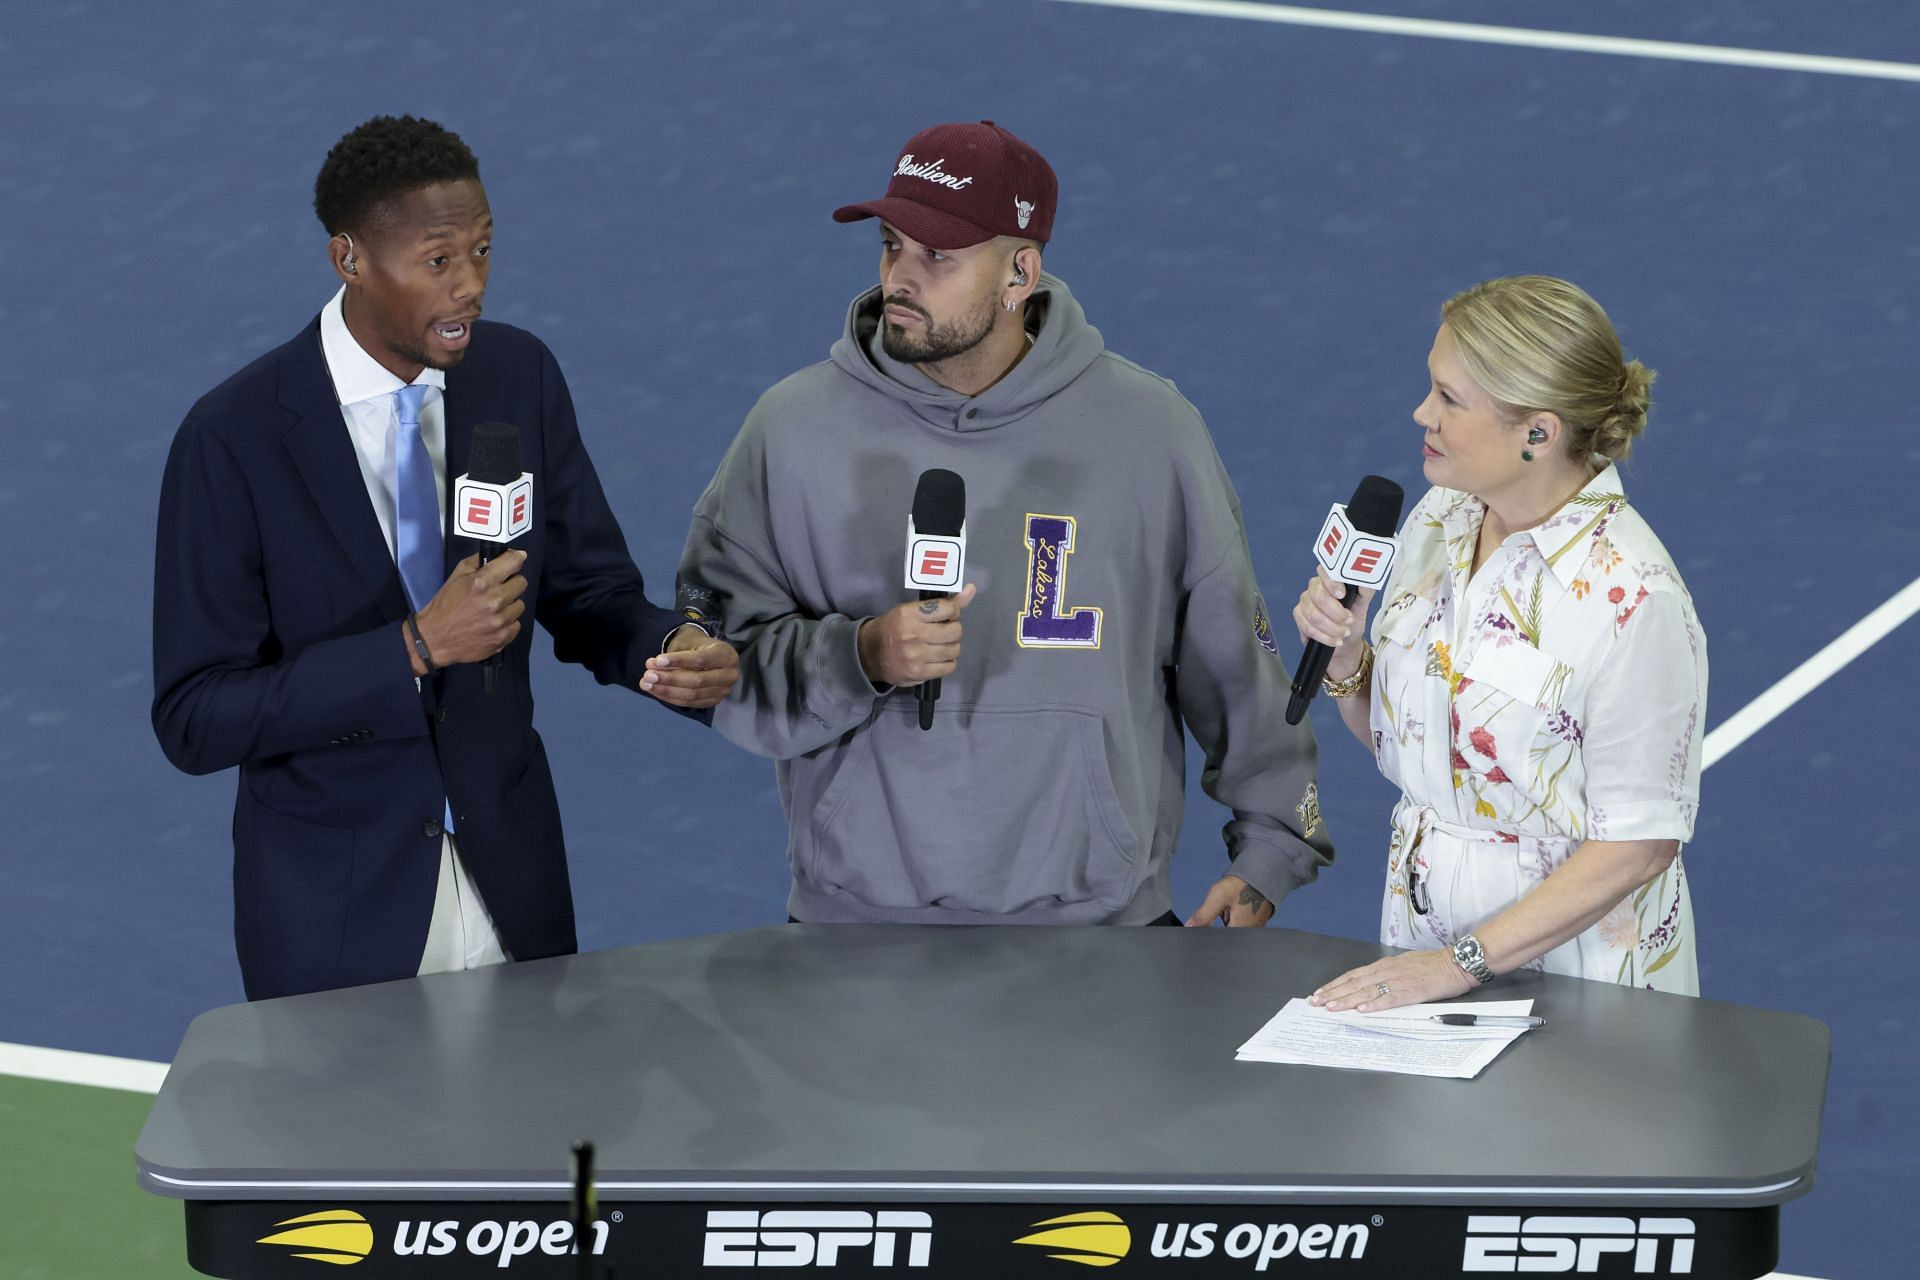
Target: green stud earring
{"points": [[1526, 455]]}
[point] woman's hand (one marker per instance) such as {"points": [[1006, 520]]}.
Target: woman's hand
{"points": [[1320, 616], [1414, 978]]}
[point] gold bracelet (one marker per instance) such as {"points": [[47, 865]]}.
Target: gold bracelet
{"points": [[1355, 682]]}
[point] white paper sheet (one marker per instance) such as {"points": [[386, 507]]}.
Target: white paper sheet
{"points": [[1405, 1040]]}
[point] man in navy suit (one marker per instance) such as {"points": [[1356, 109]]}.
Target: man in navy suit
{"points": [[314, 627]]}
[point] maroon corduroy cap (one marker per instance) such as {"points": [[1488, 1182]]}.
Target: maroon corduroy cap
{"points": [[956, 185]]}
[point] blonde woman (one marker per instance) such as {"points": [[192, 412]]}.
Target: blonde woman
{"points": [[1537, 680]]}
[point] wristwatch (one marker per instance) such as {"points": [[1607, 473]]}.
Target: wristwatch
{"points": [[1471, 956]]}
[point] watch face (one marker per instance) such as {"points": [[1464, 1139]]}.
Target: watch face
{"points": [[1473, 958]]}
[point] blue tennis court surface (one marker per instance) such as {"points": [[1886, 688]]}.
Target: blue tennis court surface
{"points": [[1269, 214]]}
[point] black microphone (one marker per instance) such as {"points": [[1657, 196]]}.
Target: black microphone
{"points": [[493, 502], [1357, 546], [936, 553]]}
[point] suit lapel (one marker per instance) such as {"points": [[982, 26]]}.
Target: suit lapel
{"points": [[323, 453]]}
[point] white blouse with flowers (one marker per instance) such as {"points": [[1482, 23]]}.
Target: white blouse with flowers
{"points": [[1557, 696]]}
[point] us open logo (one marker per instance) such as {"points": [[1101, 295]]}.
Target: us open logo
{"points": [[337, 1236], [1102, 1239], [1095, 1239]]}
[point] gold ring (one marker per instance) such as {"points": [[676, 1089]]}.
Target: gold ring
{"points": [[1383, 989]]}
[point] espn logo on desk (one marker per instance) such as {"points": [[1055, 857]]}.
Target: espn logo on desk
{"points": [[493, 512], [817, 1238], [1579, 1245]]}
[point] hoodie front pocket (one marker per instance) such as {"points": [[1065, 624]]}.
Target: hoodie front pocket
{"points": [[994, 810]]}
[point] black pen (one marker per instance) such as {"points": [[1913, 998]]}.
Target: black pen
{"points": [[1487, 1020]]}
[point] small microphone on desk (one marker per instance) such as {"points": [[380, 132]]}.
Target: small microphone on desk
{"points": [[585, 1209], [493, 502]]}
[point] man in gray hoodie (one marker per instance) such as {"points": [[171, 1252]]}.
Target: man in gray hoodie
{"points": [[1110, 595]]}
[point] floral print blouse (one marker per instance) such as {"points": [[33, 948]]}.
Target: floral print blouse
{"points": [[1555, 696]]}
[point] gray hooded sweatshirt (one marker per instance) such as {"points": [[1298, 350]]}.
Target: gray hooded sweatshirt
{"points": [[1116, 600]]}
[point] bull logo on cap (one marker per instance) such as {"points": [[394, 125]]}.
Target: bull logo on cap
{"points": [[1024, 208]]}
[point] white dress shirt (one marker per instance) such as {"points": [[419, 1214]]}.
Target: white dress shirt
{"points": [[461, 935]]}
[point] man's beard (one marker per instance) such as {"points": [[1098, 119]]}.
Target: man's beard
{"points": [[418, 354], [941, 341]]}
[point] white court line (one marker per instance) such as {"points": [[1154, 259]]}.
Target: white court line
{"points": [[1811, 674], [64, 1066], [1478, 33]]}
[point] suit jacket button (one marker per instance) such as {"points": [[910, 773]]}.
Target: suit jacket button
{"points": [[440, 716], [430, 829]]}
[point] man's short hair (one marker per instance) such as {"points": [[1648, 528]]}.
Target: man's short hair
{"points": [[384, 158]]}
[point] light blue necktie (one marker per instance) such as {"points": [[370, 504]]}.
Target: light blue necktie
{"points": [[416, 518], [416, 525]]}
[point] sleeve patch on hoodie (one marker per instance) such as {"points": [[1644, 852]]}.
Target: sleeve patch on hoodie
{"points": [[1309, 811], [1046, 622], [1263, 627]]}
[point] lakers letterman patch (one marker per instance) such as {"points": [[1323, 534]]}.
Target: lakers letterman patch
{"points": [[1046, 620]]}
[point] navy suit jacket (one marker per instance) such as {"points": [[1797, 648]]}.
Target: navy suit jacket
{"points": [[278, 649]]}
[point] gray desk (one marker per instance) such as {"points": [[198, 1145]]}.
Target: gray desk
{"points": [[915, 1101]]}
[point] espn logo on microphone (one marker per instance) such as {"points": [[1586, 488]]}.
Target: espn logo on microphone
{"points": [[1362, 559], [935, 563], [493, 512]]}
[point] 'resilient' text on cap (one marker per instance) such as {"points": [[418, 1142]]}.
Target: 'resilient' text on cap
{"points": [[956, 185]]}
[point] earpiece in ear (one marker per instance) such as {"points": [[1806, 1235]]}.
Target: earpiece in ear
{"points": [[1537, 436], [348, 263], [1019, 276]]}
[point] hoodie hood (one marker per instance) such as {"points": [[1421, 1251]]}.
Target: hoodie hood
{"points": [[1064, 345]]}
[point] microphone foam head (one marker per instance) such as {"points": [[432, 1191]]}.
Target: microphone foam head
{"points": [[496, 453], [1375, 506], [940, 503]]}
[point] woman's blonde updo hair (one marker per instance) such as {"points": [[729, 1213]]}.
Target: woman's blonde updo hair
{"points": [[1537, 344]]}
